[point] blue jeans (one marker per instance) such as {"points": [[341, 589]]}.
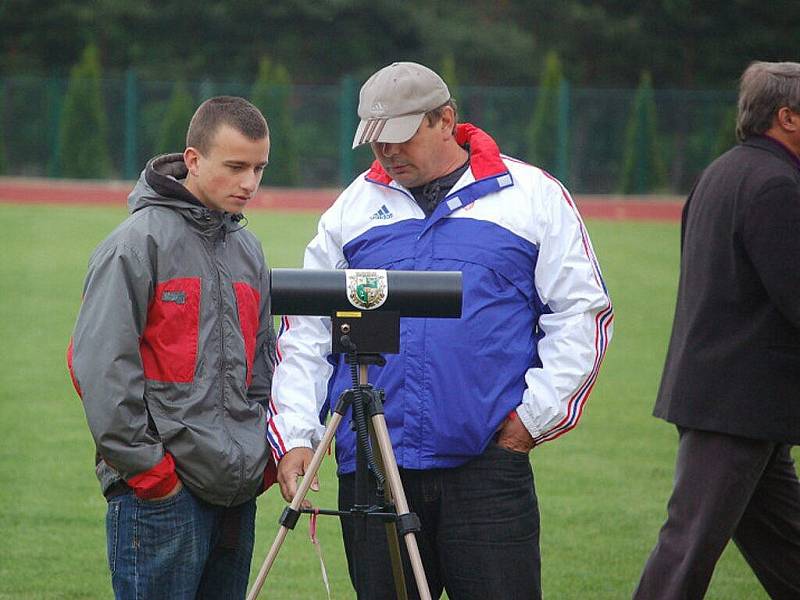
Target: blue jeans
{"points": [[479, 538], [179, 548]]}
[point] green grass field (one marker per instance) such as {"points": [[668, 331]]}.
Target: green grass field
{"points": [[602, 488]]}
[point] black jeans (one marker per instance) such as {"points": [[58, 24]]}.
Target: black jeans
{"points": [[479, 538]]}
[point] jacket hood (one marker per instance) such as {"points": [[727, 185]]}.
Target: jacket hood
{"points": [[160, 185]]}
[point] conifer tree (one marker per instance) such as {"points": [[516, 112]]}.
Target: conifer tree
{"points": [[643, 169], [726, 136], [2, 145], [448, 73], [172, 137], [271, 93], [84, 126], [543, 128]]}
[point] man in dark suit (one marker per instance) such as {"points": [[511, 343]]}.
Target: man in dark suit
{"points": [[731, 381]]}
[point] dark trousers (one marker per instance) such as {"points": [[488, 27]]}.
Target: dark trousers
{"points": [[479, 538], [727, 487]]}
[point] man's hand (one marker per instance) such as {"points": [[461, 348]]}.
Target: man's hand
{"points": [[292, 466], [514, 436]]}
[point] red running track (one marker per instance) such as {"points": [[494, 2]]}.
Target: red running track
{"points": [[49, 191]]}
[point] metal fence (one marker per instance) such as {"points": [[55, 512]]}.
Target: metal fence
{"points": [[589, 134]]}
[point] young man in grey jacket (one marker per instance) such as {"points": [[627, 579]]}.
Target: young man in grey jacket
{"points": [[172, 357]]}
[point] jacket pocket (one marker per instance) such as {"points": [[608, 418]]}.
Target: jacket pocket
{"points": [[169, 343], [247, 302]]}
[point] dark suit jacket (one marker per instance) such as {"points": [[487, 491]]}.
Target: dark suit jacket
{"points": [[733, 363]]}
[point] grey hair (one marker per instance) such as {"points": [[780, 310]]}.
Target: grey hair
{"points": [[765, 88]]}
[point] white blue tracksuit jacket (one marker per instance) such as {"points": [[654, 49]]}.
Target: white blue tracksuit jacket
{"points": [[535, 325]]}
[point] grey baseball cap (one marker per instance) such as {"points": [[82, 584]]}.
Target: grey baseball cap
{"points": [[393, 102]]}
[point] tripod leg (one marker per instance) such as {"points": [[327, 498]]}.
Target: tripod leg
{"points": [[396, 485], [391, 530], [296, 504]]}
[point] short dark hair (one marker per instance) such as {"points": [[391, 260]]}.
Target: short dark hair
{"points": [[225, 110], [435, 115], [765, 88]]}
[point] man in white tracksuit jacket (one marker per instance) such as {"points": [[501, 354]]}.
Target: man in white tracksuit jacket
{"points": [[468, 398]]}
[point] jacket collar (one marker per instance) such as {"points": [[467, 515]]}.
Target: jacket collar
{"points": [[772, 145], [487, 174], [484, 156]]}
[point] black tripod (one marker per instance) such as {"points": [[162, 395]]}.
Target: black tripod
{"points": [[378, 457]]}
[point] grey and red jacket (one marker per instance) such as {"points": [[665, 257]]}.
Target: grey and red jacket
{"points": [[172, 352]]}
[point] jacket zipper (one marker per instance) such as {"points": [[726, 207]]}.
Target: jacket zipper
{"points": [[223, 365]]}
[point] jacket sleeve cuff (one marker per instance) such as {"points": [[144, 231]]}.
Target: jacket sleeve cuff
{"points": [[156, 482], [289, 444], [524, 415]]}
